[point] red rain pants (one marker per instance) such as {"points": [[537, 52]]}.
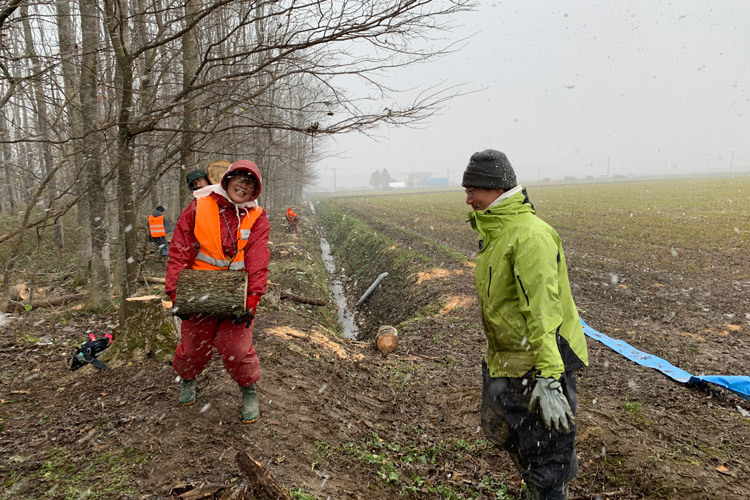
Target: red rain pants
{"points": [[234, 343]]}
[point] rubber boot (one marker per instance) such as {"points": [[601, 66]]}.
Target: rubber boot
{"points": [[187, 392], [250, 410]]}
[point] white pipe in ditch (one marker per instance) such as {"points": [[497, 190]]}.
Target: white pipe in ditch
{"points": [[371, 289]]}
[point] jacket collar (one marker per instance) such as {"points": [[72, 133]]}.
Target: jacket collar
{"points": [[505, 195]]}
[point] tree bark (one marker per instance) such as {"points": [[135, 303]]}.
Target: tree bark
{"points": [[99, 290], [147, 331], [190, 67], [68, 64], [41, 121], [211, 293]]}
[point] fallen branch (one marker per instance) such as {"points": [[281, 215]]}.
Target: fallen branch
{"points": [[303, 300], [15, 306], [261, 485]]}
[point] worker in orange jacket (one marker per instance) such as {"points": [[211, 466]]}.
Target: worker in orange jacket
{"points": [[159, 228], [223, 229], [292, 220]]}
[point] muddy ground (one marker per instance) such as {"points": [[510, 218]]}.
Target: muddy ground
{"points": [[341, 420]]}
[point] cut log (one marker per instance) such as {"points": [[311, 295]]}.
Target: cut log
{"points": [[387, 338], [153, 279], [19, 292], [216, 170], [261, 485], [147, 330], [212, 293]]}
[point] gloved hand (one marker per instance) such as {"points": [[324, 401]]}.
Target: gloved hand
{"points": [[252, 302], [246, 318], [548, 397]]}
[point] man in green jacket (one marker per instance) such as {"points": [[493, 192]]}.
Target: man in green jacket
{"points": [[534, 335]]}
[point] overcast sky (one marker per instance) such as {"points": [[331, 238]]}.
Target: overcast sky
{"points": [[569, 87]]}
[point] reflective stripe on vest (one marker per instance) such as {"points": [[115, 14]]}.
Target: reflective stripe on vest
{"points": [[156, 226], [208, 233]]}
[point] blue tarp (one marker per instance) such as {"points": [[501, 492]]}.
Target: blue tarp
{"points": [[738, 384]]}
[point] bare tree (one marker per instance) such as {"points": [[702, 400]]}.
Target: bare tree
{"points": [[173, 84]]}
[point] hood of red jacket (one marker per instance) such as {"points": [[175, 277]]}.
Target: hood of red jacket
{"points": [[243, 166]]}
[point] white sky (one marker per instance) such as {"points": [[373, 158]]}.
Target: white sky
{"points": [[568, 86]]}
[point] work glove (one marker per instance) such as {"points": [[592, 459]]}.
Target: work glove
{"points": [[548, 397], [252, 302], [251, 305]]}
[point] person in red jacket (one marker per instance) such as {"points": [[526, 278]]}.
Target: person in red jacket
{"points": [[223, 229]]}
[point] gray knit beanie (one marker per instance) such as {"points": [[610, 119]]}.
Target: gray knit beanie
{"points": [[489, 169]]}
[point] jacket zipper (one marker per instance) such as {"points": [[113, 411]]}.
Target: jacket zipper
{"points": [[523, 289], [489, 282]]}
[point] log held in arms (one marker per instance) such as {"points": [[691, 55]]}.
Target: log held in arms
{"points": [[211, 293]]}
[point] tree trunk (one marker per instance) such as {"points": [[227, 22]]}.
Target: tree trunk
{"points": [[99, 290], [211, 293], [190, 67], [5, 159], [115, 14], [147, 331], [68, 63], [41, 118]]}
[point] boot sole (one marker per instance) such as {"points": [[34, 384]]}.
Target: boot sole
{"points": [[250, 421], [190, 403]]}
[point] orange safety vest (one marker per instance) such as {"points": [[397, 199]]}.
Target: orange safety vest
{"points": [[208, 233], [156, 226]]}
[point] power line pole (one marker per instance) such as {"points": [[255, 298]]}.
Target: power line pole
{"points": [[731, 162]]}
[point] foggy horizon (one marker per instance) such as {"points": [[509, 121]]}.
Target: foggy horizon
{"points": [[573, 90]]}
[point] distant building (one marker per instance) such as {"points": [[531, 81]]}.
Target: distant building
{"points": [[396, 185], [416, 179]]}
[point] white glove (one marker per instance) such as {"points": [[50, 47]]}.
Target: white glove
{"points": [[554, 408]]}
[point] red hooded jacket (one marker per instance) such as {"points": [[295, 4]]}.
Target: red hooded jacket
{"points": [[184, 246]]}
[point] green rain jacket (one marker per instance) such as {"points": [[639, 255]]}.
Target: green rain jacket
{"points": [[529, 315]]}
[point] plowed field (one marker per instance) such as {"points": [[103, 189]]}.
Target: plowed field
{"points": [[662, 266]]}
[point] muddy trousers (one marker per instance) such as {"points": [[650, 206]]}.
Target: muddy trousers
{"points": [[234, 343], [545, 459]]}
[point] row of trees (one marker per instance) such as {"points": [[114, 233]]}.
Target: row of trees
{"points": [[106, 104]]}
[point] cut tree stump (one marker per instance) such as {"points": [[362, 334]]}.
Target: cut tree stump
{"points": [[387, 338], [147, 330], [212, 293], [261, 485]]}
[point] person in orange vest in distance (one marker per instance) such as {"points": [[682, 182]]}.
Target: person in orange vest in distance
{"points": [[292, 220], [223, 229], [159, 227]]}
